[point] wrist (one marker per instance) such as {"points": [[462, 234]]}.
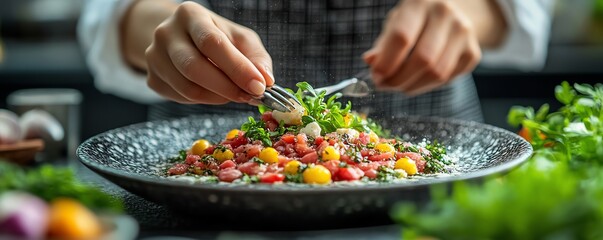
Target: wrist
{"points": [[487, 19], [137, 26]]}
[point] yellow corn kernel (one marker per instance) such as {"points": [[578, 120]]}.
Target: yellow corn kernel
{"points": [[269, 155], [330, 153], [373, 137], [292, 167], [223, 154], [406, 164], [232, 134], [199, 147], [317, 174], [385, 147]]}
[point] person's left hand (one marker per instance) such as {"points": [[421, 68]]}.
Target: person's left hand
{"points": [[424, 44]]}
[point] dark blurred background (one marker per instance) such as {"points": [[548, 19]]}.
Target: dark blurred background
{"points": [[38, 49]]}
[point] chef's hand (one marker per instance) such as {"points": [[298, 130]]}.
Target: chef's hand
{"points": [[196, 56], [426, 43]]}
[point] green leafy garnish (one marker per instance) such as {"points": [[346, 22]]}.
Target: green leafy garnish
{"points": [[49, 183], [386, 174], [555, 195], [256, 130], [435, 161], [329, 113], [181, 157]]}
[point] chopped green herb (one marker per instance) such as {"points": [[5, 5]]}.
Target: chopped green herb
{"points": [[256, 130], [181, 157]]}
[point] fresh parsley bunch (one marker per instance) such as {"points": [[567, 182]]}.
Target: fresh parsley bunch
{"points": [[556, 195]]}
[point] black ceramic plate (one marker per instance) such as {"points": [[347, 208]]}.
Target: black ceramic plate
{"points": [[135, 157]]}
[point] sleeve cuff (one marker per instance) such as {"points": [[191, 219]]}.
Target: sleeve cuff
{"points": [[525, 46]]}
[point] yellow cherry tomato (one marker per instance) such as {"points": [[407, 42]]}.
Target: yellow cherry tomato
{"points": [[199, 147], [373, 137], [232, 134], [292, 167], [406, 164], [317, 174], [269, 155], [223, 154], [69, 219], [330, 153], [385, 147]]}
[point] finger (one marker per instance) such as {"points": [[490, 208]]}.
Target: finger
{"points": [[182, 85], [401, 31], [164, 90], [250, 44], [426, 53], [443, 70], [369, 56], [200, 71], [468, 60], [215, 45]]}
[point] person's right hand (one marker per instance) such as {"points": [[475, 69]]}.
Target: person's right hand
{"points": [[197, 56]]}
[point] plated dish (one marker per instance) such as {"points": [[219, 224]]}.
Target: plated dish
{"points": [[137, 158], [318, 142]]}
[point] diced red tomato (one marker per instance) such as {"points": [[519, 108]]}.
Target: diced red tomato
{"points": [[267, 116], [288, 138], [412, 155], [178, 169], [198, 167], [283, 160], [364, 166], [210, 149], [192, 158], [333, 166], [271, 125], [363, 138], [311, 157], [345, 158], [420, 165], [229, 175], [302, 149], [272, 178], [371, 173], [238, 141], [350, 173], [381, 156], [332, 142], [249, 168], [318, 140], [227, 164], [253, 151]]}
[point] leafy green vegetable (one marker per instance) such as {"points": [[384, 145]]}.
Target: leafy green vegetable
{"points": [[256, 130], [556, 195], [329, 114], [386, 174], [49, 183]]}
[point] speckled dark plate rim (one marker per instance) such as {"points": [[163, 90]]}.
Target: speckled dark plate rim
{"points": [[266, 188]]}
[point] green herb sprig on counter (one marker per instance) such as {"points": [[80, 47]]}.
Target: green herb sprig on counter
{"points": [[555, 195], [49, 182]]}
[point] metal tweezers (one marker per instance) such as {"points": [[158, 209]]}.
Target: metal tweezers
{"points": [[277, 98]]}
